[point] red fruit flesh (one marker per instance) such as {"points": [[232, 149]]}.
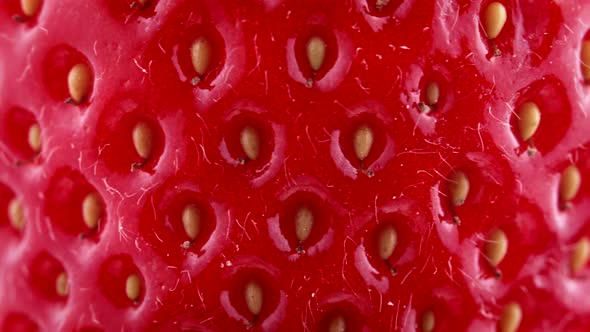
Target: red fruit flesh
{"points": [[378, 64]]}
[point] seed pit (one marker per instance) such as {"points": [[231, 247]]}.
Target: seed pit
{"points": [[253, 293], [510, 318], [249, 139], [48, 277], [22, 133], [363, 141], [141, 147], [68, 75], [316, 52], [73, 205], [388, 241], [121, 281]]}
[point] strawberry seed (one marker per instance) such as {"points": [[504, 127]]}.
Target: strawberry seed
{"points": [[200, 57], [133, 287], [529, 118], [254, 297], [494, 19], [569, 184], [30, 8], [510, 318], [16, 214], [387, 242], [143, 139], [34, 137], [363, 141], [92, 210], [250, 141], [61, 285], [79, 82], [496, 246], [191, 220], [580, 255], [304, 220], [316, 52], [338, 324], [427, 321]]}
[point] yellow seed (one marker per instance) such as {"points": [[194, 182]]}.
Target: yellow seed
{"points": [[254, 297], [363, 141], [30, 7], [250, 142], [16, 214], [494, 19], [191, 220], [496, 246], [580, 255], [34, 137], [201, 55], [338, 324], [303, 223], [61, 284], [569, 183], [510, 318], [92, 210], [381, 3], [133, 287], [387, 242], [529, 118], [432, 94], [316, 52], [143, 139], [585, 59], [79, 82], [458, 188], [427, 321]]}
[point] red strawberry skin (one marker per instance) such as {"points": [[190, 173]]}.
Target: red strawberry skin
{"points": [[377, 65]]}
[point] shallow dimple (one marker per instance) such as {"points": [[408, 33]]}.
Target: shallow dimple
{"points": [[254, 297], [510, 318], [493, 19], [580, 255], [80, 82]]}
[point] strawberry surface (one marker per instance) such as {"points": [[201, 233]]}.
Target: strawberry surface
{"points": [[394, 183]]}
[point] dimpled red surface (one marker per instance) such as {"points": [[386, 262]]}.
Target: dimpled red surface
{"points": [[376, 67]]}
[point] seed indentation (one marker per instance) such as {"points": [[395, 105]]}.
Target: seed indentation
{"points": [[496, 246], [494, 19], [133, 287], [316, 52], [254, 297], [191, 221], [510, 318], [92, 210], [250, 141], [580, 255], [79, 82], [16, 214], [304, 220]]}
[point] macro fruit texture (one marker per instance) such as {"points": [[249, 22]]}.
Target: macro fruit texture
{"points": [[297, 165]]}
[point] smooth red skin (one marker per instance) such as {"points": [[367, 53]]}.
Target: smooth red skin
{"points": [[385, 66]]}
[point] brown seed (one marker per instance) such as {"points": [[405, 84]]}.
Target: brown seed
{"points": [[303, 223], [191, 220], [34, 137], [580, 255], [92, 210], [79, 82], [338, 324], [496, 246], [61, 284], [30, 7], [133, 287], [143, 139], [387, 242], [510, 318], [427, 321], [254, 297], [529, 118], [569, 183], [16, 214], [585, 59], [316, 52], [250, 142], [432, 94], [381, 3], [494, 19], [201, 55], [458, 188], [363, 141]]}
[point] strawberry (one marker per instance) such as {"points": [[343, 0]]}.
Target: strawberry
{"points": [[289, 165]]}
